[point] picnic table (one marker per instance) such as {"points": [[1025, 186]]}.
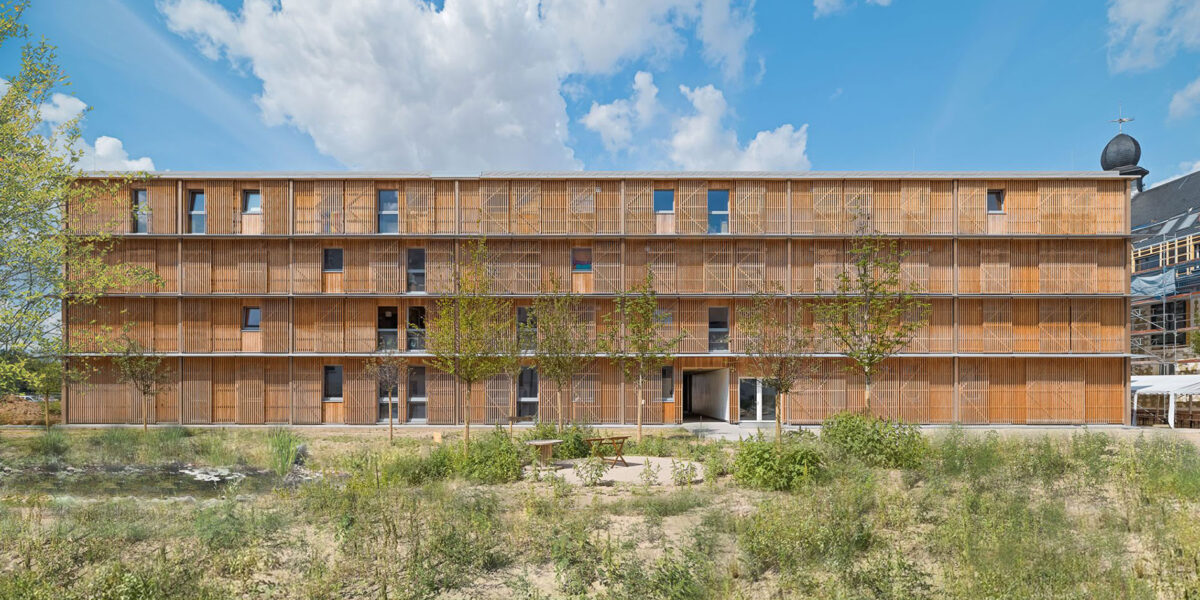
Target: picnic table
{"points": [[545, 449], [617, 442]]}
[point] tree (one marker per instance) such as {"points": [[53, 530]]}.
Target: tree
{"points": [[780, 350], [144, 370], [389, 368], [469, 327], [635, 341], [565, 348], [39, 180], [872, 314]]}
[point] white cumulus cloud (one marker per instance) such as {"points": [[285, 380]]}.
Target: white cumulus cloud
{"points": [[479, 84], [615, 121], [1185, 101], [1144, 34], [702, 141], [822, 8]]}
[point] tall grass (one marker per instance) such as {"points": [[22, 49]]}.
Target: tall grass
{"points": [[284, 447]]}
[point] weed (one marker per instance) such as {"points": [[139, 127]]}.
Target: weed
{"points": [[51, 444], [649, 474], [683, 472], [493, 458], [590, 470]]}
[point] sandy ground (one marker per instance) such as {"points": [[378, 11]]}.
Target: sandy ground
{"points": [[18, 411], [625, 474]]}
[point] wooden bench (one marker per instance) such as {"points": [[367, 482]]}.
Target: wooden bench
{"points": [[617, 442]]}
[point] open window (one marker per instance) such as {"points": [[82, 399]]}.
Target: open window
{"points": [[664, 201], [251, 318], [718, 329], [331, 385], [387, 323], [995, 201], [251, 202]]}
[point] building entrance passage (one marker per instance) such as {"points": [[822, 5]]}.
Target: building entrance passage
{"points": [[706, 394], [756, 401]]}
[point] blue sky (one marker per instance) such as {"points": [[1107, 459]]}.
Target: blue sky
{"points": [[835, 85]]}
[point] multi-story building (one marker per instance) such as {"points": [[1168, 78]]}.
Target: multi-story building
{"points": [[276, 287]]}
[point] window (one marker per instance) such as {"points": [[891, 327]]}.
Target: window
{"points": [[251, 202], [995, 201], [251, 318], [386, 393], [664, 201], [668, 384], [718, 211], [414, 336], [527, 392], [196, 215], [416, 393], [581, 260], [664, 316], [1146, 262], [141, 212], [332, 384], [332, 260], [386, 322], [389, 211], [415, 270], [527, 328], [718, 329]]}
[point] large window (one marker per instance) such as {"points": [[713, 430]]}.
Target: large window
{"points": [[718, 329], [718, 211], [414, 336], [251, 318], [141, 212], [995, 201], [389, 211], [415, 270], [386, 323], [331, 389], [331, 260], [581, 260], [389, 398], [527, 392], [664, 201], [251, 202], [197, 217], [416, 394]]}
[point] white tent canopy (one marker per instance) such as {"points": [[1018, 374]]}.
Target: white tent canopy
{"points": [[1170, 386]]}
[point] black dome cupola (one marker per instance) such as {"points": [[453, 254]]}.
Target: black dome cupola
{"points": [[1121, 151]]}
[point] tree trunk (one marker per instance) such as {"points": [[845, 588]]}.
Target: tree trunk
{"points": [[778, 420], [467, 422], [391, 413], [145, 414], [512, 404], [867, 395], [641, 401], [46, 408], [558, 398]]}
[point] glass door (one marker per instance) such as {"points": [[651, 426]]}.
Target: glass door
{"points": [[756, 402]]}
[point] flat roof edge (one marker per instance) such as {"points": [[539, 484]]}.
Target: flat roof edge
{"points": [[593, 175]]}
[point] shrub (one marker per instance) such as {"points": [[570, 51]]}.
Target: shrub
{"points": [[51, 444], [716, 462], [284, 448], [878, 442], [649, 474], [590, 470], [573, 436], [415, 469], [765, 464], [494, 458]]}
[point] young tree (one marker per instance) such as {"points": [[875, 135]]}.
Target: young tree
{"points": [[565, 348], [389, 368], [779, 349], [144, 370], [635, 341], [872, 314], [39, 180], [470, 327]]}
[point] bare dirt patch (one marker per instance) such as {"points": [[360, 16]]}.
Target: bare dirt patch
{"points": [[15, 410]]}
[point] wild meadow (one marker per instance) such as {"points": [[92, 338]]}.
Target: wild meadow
{"points": [[865, 509]]}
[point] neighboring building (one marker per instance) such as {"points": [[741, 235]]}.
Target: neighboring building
{"points": [[278, 285], [1166, 278]]}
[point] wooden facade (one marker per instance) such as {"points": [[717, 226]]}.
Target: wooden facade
{"points": [[1029, 303]]}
